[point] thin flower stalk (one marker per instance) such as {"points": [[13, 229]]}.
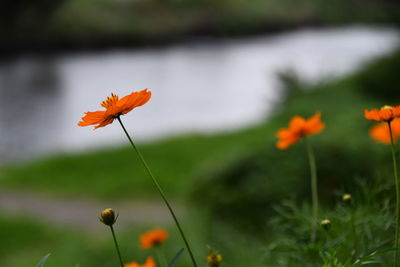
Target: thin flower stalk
{"points": [[115, 108], [314, 189], [354, 234], [299, 128], [396, 181], [347, 199], [116, 246], [108, 218], [160, 256], [147, 169], [390, 115]]}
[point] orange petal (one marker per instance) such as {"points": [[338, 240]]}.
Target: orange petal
{"points": [[373, 114], [380, 133], [150, 262], [314, 125], [285, 143], [92, 118], [105, 122], [153, 238], [132, 264], [284, 133], [396, 111], [136, 99], [386, 114], [396, 127], [296, 123]]}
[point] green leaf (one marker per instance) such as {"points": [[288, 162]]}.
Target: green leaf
{"points": [[176, 258], [43, 260]]}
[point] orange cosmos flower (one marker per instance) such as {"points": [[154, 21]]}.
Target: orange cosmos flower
{"points": [[149, 263], [299, 127], [385, 113], [380, 132], [114, 108], [153, 238]]}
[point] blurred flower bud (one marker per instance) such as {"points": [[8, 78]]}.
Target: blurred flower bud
{"points": [[107, 217], [326, 224], [214, 259], [346, 198]]}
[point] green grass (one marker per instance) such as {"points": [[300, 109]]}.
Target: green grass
{"points": [[117, 173], [25, 241]]}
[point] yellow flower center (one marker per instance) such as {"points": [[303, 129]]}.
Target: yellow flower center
{"points": [[386, 107], [110, 101], [214, 258]]}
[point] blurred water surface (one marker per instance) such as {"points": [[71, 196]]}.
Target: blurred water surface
{"points": [[197, 87]]}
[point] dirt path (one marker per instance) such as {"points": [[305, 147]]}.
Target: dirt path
{"points": [[83, 213]]}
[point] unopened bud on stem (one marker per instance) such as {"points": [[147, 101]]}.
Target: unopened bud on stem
{"points": [[346, 198], [107, 217], [326, 224]]}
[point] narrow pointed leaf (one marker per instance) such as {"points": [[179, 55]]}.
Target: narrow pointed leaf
{"points": [[176, 258], [43, 260]]}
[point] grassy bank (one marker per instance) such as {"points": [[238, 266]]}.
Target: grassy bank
{"points": [[117, 173]]}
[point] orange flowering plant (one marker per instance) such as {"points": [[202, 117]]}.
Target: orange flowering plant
{"points": [[116, 107], [299, 128], [385, 113], [149, 263], [153, 238], [388, 133], [380, 132]]}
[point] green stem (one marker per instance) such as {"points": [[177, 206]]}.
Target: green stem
{"points": [[116, 246], [314, 189], [160, 255], [328, 246], [146, 167], [396, 181], [353, 228]]}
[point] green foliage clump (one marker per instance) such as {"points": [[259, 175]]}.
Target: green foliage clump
{"points": [[373, 221], [249, 185], [381, 78]]}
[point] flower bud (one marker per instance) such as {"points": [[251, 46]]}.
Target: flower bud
{"points": [[346, 198], [214, 259], [107, 217], [326, 224]]}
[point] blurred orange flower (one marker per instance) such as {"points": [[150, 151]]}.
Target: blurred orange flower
{"points": [[380, 132], [385, 113], [153, 238], [299, 127], [149, 263], [114, 108]]}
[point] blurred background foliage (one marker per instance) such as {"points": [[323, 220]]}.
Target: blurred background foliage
{"points": [[98, 23], [380, 79]]}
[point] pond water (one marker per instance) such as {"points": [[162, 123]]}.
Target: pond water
{"points": [[197, 86]]}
